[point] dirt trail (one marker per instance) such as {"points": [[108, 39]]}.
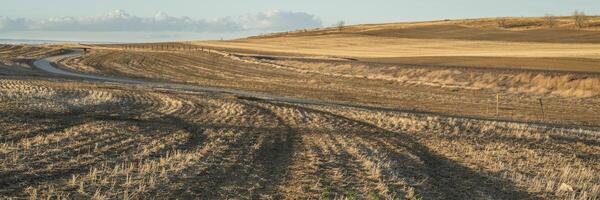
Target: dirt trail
{"points": [[46, 64]]}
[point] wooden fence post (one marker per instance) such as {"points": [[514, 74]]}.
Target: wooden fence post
{"points": [[542, 108], [498, 105]]}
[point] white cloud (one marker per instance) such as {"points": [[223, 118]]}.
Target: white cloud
{"points": [[278, 20], [13, 24], [121, 21]]}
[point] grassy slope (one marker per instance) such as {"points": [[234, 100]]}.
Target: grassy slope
{"points": [[450, 43], [516, 30]]}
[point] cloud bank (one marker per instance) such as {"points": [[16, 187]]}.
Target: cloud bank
{"points": [[121, 21]]}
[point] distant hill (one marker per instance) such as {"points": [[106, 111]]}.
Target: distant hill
{"points": [[522, 29], [515, 43]]}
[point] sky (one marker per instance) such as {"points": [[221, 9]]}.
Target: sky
{"points": [[161, 20]]}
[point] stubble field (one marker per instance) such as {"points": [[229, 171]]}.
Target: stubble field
{"points": [[378, 128]]}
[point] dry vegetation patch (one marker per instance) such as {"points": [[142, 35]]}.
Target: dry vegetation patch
{"points": [[11, 53], [100, 141], [552, 162], [435, 88], [383, 130], [532, 82], [373, 46]]}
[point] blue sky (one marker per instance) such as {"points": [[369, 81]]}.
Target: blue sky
{"points": [[190, 19]]}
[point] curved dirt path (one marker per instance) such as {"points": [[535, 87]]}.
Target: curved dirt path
{"points": [[45, 64]]}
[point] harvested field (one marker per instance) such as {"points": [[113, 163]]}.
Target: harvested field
{"points": [[11, 53], [448, 90], [95, 141], [359, 46], [251, 120]]}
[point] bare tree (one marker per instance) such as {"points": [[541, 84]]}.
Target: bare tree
{"points": [[580, 19], [340, 25], [501, 22], [550, 21]]}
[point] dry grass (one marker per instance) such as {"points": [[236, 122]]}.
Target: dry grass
{"points": [[15, 52], [449, 90], [550, 162], [523, 43], [536, 83], [364, 46], [516, 29], [558, 64], [15, 60], [106, 142], [72, 139]]}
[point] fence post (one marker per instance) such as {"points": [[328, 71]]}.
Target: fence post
{"points": [[498, 105], [542, 108]]}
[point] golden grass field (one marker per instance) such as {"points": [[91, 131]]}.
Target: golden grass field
{"points": [[444, 42], [359, 46], [399, 111]]}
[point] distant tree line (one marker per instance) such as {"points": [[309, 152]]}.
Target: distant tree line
{"points": [[579, 18]]}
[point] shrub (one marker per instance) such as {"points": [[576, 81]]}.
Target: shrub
{"points": [[501, 22], [550, 21], [580, 19], [340, 25]]}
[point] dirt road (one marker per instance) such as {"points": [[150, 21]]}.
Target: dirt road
{"points": [[46, 65]]}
